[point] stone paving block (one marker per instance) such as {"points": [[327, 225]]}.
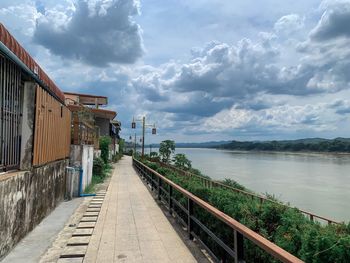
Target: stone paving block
{"points": [[83, 232], [97, 200], [86, 225], [88, 219], [91, 214], [94, 206], [70, 260], [75, 241], [93, 209], [73, 251]]}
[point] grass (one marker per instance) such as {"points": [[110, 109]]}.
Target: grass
{"points": [[99, 178]]}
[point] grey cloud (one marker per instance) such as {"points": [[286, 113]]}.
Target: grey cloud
{"points": [[97, 33], [198, 105], [334, 23], [341, 107]]}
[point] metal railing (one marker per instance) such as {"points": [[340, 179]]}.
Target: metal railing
{"points": [[212, 183], [233, 252], [10, 102]]}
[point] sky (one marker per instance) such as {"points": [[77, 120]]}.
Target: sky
{"points": [[201, 70]]}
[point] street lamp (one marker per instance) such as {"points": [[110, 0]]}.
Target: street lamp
{"points": [[144, 126]]}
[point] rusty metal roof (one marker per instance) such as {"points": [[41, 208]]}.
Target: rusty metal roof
{"points": [[12, 44], [101, 113]]}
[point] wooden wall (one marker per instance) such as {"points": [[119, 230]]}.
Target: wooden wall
{"points": [[52, 129]]}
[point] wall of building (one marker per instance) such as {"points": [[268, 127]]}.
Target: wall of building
{"points": [[82, 156], [26, 197], [103, 124]]}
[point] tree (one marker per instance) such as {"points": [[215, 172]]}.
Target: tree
{"points": [[166, 148], [180, 160]]}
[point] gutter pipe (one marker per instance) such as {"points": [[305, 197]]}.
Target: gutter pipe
{"points": [[81, 194], [26, 69]]}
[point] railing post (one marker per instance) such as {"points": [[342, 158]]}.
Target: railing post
{"points": [[311, 217], [159, 190], [189, 219], [238, 243], [170, 199]]}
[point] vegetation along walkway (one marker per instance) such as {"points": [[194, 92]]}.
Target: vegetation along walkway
{"points": [[131, 227]]}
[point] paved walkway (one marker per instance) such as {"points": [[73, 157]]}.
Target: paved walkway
{"points": [[30, 248], [131, 227]]}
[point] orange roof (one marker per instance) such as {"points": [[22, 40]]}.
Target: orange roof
{"points": [[11, 43]]}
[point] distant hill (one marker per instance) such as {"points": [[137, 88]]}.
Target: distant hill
{"points": [[201, 144], [211, 144], [300, 145]]}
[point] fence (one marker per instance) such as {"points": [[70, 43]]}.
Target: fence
{"points": [[52, 129], [166, 192], [211, 183], [10, 101]]}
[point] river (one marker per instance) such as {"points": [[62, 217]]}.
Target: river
{"points": [[318, 183]]}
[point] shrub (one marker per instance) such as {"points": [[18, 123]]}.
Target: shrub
{"points": [[117, 157], [98, 166], [105, 141]]}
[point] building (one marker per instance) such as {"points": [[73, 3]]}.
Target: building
{"points": [[86, 106], [35, 143]]}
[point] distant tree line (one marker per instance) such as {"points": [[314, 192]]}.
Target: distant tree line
{"points": [[304, 145]]}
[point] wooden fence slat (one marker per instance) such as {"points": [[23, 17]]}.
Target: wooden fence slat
{"points": [[52, 131]]}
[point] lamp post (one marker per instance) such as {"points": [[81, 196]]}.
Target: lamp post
{"points": [[144, 126]]}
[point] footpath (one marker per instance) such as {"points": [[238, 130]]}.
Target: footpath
{"points": [[131, 227]]}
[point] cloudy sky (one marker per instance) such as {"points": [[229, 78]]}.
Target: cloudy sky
{"points": [[202, 69]]}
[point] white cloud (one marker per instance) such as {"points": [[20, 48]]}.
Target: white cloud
{"points": [[289, 24]]}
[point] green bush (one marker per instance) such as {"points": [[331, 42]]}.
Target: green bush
{"points": [[286, 227], [98, 166], [105, 141], [117, 157]]}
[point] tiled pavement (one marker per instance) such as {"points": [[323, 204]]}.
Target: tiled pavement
{"points": [[130, 226]]}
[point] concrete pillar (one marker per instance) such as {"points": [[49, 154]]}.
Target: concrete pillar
{"points": [[28, 117]]}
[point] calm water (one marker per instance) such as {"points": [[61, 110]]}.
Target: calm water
{"points": [[318, 183]]}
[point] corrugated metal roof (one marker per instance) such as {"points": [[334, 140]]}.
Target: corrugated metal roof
{"points": [[102, 113], [12, 44]]}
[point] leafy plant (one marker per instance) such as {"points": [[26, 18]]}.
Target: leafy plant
{"points": [[166, 148], [180, 161], [97, 168], [286, 227], [105, 141]]}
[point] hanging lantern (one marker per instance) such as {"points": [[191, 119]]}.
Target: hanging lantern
{"points": [[140, 139], [154, 131], [130, 138], [133, 125]]}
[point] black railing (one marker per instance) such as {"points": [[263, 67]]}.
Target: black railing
{"points": [[185, 208], [10, 104]]}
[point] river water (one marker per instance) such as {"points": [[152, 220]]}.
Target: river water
{"points": [[318, 183]]}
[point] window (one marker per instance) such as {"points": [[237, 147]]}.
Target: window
{"points": [[10, 103]]}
